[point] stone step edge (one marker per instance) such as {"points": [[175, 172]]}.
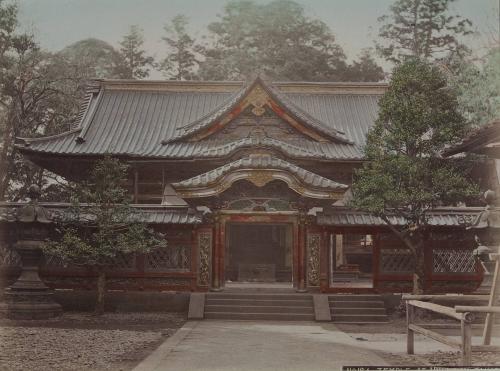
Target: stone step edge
{"points": [[260, 316], [260, 306], [258, 299]]}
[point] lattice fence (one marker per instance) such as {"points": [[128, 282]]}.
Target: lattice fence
{"points": [[396, 261], [170, 258], [51, 261], [453, 261]]}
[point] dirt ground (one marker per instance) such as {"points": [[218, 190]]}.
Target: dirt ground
{"points": [[81, 341], [393, 331], [119, 341]]}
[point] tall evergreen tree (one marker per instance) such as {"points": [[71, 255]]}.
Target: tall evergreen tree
{"points": [[478, 86], [276, 38], [134, 63], [422, 29], [180, 61], [364, 69], [405, 175]]}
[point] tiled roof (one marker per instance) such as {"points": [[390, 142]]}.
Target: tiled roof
{"points": [[477, 139], [449, 217], [214, 149], [261, 162], [125, 120], [149, 214]]}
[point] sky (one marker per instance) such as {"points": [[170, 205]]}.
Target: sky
{"points": [[58, 23]]}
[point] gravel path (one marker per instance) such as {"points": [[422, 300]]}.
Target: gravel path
{"points": [[83, 342]]}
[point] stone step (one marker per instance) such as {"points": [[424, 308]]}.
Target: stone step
{"points": [[260, 316], [255, 302], [258, 309], [228, 295], [359, 318], [357, 304], [354, 297], [364, 311]]}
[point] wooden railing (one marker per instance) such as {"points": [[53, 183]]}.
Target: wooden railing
{"points": [[464, 314]]}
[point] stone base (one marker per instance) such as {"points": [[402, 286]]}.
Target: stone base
{"points": [[28, 305]]}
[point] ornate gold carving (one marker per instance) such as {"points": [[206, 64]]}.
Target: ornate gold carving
{"points": [[313, 246], [204, 251], [260, 178], [258, 99]]}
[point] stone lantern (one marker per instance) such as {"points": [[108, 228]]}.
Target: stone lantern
{"points": [[29, 297]]}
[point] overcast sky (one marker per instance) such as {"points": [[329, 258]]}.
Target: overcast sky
{"points": [[58, 23]]}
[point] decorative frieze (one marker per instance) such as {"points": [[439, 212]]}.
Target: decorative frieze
{"points": [[313, 252], [204, 253]]}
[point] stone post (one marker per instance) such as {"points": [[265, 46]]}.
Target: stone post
{"points": [[487, 228], [29, 297]]}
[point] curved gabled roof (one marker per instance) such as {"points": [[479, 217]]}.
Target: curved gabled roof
{"points": [[214, 149], [278, 102], [260, 170]]}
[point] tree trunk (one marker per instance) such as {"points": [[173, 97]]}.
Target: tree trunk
{"points": [[419, 274], [101, 290], [7, 141]]}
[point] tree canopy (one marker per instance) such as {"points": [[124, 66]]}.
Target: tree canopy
{"points": [[276, 39], [93, 58], [38, 96], [134, 63], [422, 29], [478, 87], [180, 62], [405, 174]]}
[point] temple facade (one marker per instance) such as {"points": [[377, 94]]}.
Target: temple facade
{"points": [[249, 182]]}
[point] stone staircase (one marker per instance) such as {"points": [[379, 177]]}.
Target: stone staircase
{"points": [[259, 306], [357, 309]]}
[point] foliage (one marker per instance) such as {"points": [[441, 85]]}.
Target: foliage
{"points": [[134, 63], [422, 29], [101, 224], [405, 175], [278, 40], [478, 87], [37, 96], [92, 58], [181, 58], [365, 69]]}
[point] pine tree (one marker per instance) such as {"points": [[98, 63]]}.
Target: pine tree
{"points": [[134, 63], [101, 225], [181, 57], [422, 29]]}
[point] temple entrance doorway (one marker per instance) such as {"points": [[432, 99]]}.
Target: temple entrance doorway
{"points": [[258, 253], [351, 260]]}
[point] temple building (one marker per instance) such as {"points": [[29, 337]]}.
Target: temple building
{"points": [[249, 182]]}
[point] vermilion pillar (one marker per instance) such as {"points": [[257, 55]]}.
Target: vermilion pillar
{"points": [[302, 253]]}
